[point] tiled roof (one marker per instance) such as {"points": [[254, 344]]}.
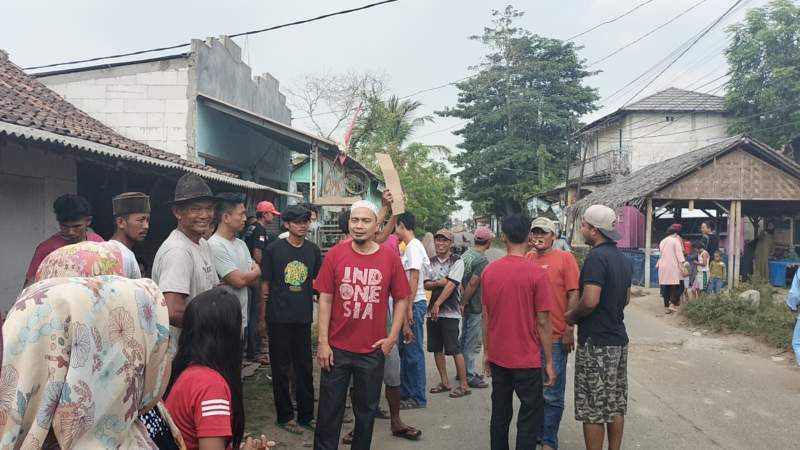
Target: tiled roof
{"points": [[27, 102], [674, 99]]}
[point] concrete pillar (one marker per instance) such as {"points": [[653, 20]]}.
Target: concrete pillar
{"points": [[648, 241]]}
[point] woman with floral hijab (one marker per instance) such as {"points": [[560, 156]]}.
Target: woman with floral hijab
{"points": [[83, 356]]}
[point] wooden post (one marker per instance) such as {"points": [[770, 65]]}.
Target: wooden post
{"points": [[737, 257], [648, 241], [731, 241]]}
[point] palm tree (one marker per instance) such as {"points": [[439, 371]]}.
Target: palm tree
{"points": [[388, 125]]}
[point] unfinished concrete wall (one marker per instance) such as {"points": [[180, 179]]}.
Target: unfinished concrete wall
{"points": [[147, 101], [30, 180], [221, 74]]}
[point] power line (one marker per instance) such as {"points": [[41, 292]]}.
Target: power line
{"points": [[451, 83], [735, 5], [609, 21], [441, 130], [640, 38], [676, 101], [680, 51], [246, 33]]}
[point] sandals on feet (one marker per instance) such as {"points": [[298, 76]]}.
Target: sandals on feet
{"points": [[460, 392], [410, 433], [477, 383], [382, 414], [348, 438], [292, 427], [439, 389]]}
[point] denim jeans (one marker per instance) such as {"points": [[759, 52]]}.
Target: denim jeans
{"points": [[412, 359], [796, 340], [554, 397], [715, 285], [469, 340]]}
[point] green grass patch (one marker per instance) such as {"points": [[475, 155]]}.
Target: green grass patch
{"points": [[769, 320]]}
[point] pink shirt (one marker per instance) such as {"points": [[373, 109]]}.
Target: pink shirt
{"points": [[671, 260]]}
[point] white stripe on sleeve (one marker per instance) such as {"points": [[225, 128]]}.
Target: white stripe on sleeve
{"points": [[216, 413]]}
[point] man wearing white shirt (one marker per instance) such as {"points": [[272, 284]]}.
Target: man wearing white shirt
{"points": [[132, 217], [415, 263]]}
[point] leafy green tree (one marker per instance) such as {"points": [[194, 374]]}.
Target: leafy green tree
{"points": [[763, 95], [387, 127], [521, 106]]}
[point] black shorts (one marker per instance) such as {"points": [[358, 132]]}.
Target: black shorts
{"points": [[443, 336]]}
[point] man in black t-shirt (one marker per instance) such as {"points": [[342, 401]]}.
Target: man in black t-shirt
{"points": [[710, 239], [601, 358], [288, 269]]}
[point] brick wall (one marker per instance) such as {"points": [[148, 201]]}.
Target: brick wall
{"points": [[149, 106]]}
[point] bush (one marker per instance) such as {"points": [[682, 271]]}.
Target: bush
{"points": [[770, 321]]}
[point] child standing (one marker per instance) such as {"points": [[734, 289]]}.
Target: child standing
{"points": [[718, 273], [701, 264]]}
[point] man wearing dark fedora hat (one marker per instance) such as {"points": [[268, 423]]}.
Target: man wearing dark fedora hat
{"points": [[183, 266], [132, 219]]}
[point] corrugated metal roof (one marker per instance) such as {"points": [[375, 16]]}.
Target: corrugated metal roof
{"points": [[35, 134]]}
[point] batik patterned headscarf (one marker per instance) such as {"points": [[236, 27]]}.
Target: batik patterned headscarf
{"points": [[84, 259], [83, 357]]}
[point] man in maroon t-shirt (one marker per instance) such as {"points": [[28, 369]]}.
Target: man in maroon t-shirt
{"points": [[74, 215], [354, 283], [517, 300]]}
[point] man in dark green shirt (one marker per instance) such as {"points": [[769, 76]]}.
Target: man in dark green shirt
{"points": [[474, 263]]}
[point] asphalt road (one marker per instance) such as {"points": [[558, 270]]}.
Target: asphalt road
{"points": [[688, 390]]}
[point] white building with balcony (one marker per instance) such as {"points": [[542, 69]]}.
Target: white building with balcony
{"points": [[664, 125]]}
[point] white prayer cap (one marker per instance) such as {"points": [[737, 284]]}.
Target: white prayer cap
{"points": [[365, 204]]}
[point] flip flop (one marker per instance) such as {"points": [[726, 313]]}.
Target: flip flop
{"points": [[478, 384], [291, 426], [310, 426], [439, 389], [460, 392], [348, 438], [410, 433]]}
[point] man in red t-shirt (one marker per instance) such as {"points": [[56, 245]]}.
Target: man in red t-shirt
{"points": [[354, 283], [74, 215], [562, 271], [517, 300]]}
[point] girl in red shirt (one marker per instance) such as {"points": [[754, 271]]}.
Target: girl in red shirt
{"points": [[204, 395]]}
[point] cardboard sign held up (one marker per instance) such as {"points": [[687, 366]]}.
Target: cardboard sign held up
{"points": [[392, 179]]}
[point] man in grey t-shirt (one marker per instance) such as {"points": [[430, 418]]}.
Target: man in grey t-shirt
{"points": [[230, 255], [182, 267]]}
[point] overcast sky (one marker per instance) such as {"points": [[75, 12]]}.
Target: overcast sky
{"points": [[417, 44]]}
